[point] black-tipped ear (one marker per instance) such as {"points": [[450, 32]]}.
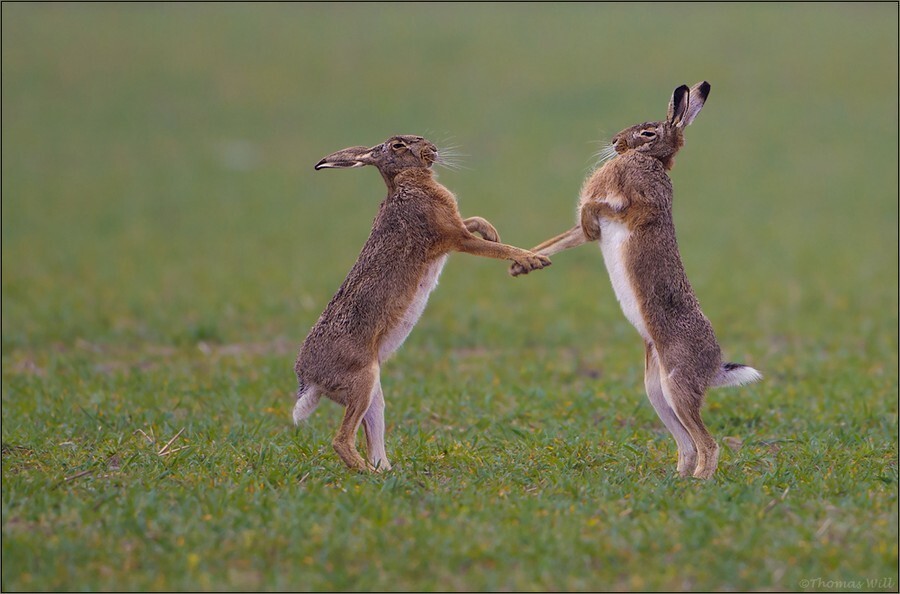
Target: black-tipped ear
{"points": [[678, 105], [701, 89], [355, 156], [696, 99]]}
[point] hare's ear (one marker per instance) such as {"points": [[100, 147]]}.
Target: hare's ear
{"points": [[678, 105], [696, 99]]}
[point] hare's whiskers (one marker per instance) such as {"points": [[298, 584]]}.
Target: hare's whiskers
{"points": [[450, 158]]}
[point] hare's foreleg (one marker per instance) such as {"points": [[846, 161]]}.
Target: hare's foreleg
{"points": [[574, 237], [482, 227], [687, 453], [593, 211], [480, 247], [358, 396], [373, 424], [686, 401]]}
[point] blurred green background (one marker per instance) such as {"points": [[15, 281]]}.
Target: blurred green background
{"points": [[158, 160], [158, 195]]}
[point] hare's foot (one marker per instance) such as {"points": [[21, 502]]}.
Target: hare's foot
{"points": [[687, 462], [350, 456], [356, 462], [373, 425], [362, 386], [686, 402], [707, 462], [381, 465], [687, 453]]}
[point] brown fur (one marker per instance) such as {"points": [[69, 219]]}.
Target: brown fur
{"points": [[683, 358], [417, 224]]}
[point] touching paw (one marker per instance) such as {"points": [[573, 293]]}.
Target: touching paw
{"points": [[528, 263], [543, 261], [516, 269]]}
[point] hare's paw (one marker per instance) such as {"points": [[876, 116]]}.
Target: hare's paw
{"points": [[489, 233], [687, 463], [543, 261], [350, 456], [516, 269], [483, 227], [707, 462], [704, 472], [532, 262], [379, 466], [590, 226]]}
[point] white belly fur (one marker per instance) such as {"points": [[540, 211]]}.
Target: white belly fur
{"points": [[396, 335], [614, 237]]}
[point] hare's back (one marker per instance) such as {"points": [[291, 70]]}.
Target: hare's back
{"points": [[375, 294]]}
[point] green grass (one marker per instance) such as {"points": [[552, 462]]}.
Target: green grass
{"points": [[166, 245]]}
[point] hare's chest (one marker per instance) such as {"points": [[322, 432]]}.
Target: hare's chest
{"points": [[401, 329], [614, 238]]}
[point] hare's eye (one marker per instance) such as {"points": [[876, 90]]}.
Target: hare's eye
{"points": [[648, 134], [397, 146]]}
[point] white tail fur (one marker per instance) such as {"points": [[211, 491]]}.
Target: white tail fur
{"points": [[307, 401], [735, 374]]}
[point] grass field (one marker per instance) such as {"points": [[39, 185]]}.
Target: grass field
{"points": [[166, 245]]}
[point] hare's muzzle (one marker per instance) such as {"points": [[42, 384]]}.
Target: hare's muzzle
{"points": [[356, 156]]}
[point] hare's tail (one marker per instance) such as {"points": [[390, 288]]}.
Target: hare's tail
{"points": [[735, 374], [307, 401]]}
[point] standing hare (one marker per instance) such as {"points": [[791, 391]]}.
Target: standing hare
{"points": [[627, 205], [380, 301]]}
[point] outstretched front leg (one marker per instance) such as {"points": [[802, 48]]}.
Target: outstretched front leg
{"points": [[574, 237], [480, 247], [482, 227]]}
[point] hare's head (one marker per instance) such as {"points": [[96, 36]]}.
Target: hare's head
{"points": [[392, 156], [662, 140]]}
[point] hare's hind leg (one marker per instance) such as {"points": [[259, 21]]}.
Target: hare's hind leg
{"points": [[687, 453], [373, 424], [357, 398], [574, 237], [686, 402]]}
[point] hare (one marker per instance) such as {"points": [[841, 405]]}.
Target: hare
{"points": [[626, 205], [380, 301]]}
